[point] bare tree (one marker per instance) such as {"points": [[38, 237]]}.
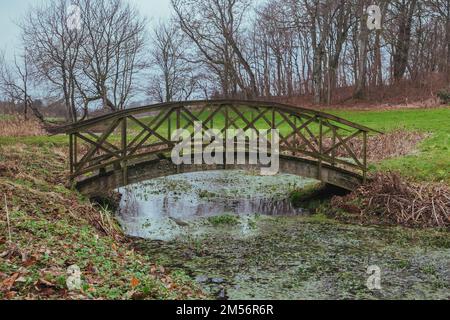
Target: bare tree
{"points": [[54, 50], [15, 83], [174, 77], [226, 48], [215, 27], [441, 9], [96, 60], [112, 53], [404, 11], [362, 51]]}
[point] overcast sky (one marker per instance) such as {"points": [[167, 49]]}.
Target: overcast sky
{"points": [[12, 10]]}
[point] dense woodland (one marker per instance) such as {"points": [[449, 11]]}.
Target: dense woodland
{"points": [[105, 54]]}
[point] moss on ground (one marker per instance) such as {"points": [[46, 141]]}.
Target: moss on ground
{"points": [[312, 258], [224, 220]]}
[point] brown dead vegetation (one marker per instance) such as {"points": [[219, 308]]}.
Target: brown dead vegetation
{"points": [[393, 144], [406, 94], [45, 228], [15, 126], [390, 199], [390, 145]]}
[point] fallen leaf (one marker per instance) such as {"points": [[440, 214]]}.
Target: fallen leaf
{"points": [[9, 282], [134, 282], [29, 262], [21, 279], [43, 284]]}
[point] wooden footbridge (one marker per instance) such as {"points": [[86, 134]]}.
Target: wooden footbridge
{"points": [[134, 145]]}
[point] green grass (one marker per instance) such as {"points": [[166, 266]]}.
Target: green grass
{"points": [[58, 140], [432, 162], [414, 119], [227, 219]]}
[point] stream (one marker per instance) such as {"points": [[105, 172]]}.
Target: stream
{"points": [[239, 237]]}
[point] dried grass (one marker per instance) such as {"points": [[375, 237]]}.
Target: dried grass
{"points": [[393, 144], [393, 200], [15, 126]]}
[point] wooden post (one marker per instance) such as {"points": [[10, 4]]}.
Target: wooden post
{"points": [[178, 119], [225, 151], [178, 128], [333, 153], [365, 157], [169, 127], [75, 151], [296, 138], [71, 158], [124, 152], [274, 124]]}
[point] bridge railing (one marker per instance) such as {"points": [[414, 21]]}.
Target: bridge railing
{"points": [[117, 140]]}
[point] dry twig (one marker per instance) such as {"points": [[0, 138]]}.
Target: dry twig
{"points": [[392, 199]]}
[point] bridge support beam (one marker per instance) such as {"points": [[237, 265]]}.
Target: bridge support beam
{"points": [[123, 163], [157, 168]]}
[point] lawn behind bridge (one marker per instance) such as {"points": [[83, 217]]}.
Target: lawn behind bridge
{"points": [[431, 162]]}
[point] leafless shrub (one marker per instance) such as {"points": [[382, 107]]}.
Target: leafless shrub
{"points": [[380, 147], [390, 145], [393, 200], [384, 146]]}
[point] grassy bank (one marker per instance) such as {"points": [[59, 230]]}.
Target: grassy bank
{"points": [[51, 228]]}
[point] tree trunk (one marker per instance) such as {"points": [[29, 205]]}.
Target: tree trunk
{"points": [[404, 39], [317, 75], [447, 37], [378, 63], [360, 88]]}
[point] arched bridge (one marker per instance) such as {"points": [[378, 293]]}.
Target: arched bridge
{"points": [[133, 145]]}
